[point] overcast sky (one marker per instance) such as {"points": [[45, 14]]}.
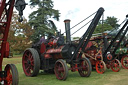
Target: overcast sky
{"points": [[77, 10]]}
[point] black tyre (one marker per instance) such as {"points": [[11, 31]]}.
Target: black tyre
{"points": [[61, 69], [84, 67], [31, 62], [12, 77]]}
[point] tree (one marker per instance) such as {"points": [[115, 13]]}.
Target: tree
{"points": [[19, 35], [108, 24], [112, 21], [39, 19]]}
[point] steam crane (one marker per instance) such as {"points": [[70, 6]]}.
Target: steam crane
{"points": [[110, 50], [8, 76], [55, 54]]}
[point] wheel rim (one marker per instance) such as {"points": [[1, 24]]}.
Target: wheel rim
{"points": [[61, 70], [115, 65], [12, 75], [8, 80], [83, 68], [124, 62], [28, 63], [100, 67]]}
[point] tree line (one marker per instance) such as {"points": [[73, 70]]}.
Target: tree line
{"points": [[22, 35]]}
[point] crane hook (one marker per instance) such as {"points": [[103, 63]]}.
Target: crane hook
{"points": [[20, 6]]}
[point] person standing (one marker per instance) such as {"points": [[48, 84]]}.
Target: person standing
{"points": [[42, 40]]}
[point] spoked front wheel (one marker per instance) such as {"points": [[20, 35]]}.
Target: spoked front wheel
{"points": [[84, 67], [124, 62], [115, 65], [61, 69], [12, 77], [31, 62], [100, 67]]}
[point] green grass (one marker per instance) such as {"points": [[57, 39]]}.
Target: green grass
{"points": [[17, 55], [108, 78]]}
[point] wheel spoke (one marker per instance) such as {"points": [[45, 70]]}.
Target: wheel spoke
{"points": [[115, 65], [84, 67], [26, 55], [30, 59], [9, 78], [28, 69], [12, 75], [31, 66], [100, 67], [61, 70], [124, 62], [25, 62], [29, 55]]}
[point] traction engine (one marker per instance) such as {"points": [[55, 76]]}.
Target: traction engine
{"points": [[54, 55], [122, 51], [110, 49], [93, 52], [8, 76], [103, 54]]}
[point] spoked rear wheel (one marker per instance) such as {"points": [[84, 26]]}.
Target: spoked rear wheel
{"points": [[124, 62], [61, 69], [12, 77], [100, 67], [31, 62], [84, 67], [115, 65]]}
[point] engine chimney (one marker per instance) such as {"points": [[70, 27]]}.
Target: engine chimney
{"points": [[67, 29]]}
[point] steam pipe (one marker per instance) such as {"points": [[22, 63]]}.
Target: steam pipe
{"points": [[67, 29]]}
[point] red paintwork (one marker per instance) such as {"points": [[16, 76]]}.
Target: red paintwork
{"points": [[50, 43], [124, 61], [53, 42], [115, 65], [109, 56], [88, 45], [28, 63], [47, 56], [43, 48], [54, 52], [7, 50], [5, 24], [6, 53], [93, 54], [100, 68], [9, 75], [5, 19], [96, 56], [60, 70]]}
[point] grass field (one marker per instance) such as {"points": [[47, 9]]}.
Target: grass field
{"points": [[108, 78]]}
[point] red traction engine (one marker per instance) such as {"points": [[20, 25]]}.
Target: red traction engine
{"points": [[54, 55], [93, 52], [8, 76]]}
